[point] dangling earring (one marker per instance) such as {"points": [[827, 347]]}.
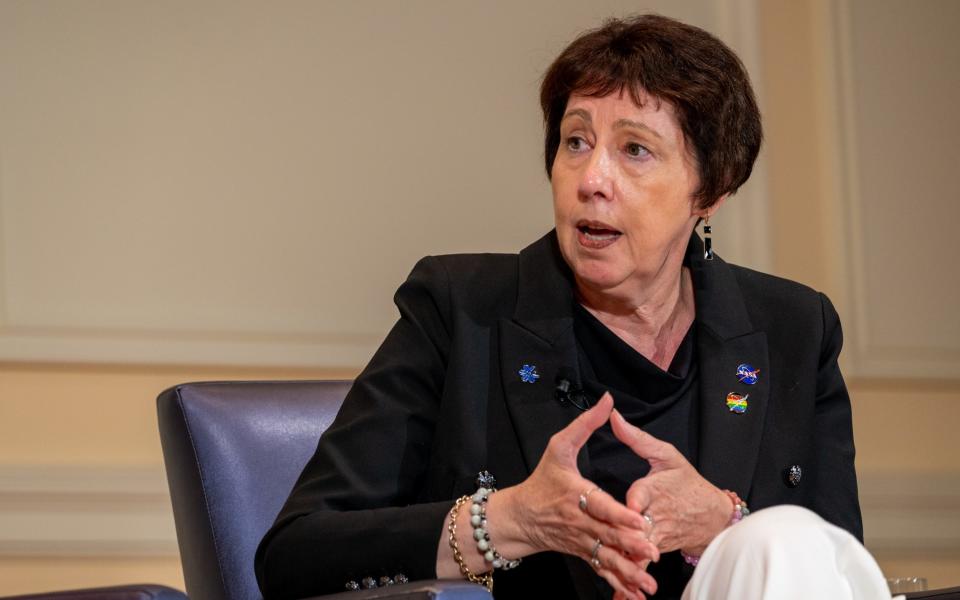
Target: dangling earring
{"points": [[707, 240]]}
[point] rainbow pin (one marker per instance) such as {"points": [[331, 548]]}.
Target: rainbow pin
{"points": [[737, 403]]}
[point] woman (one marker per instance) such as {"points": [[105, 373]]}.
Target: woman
{"points": [[725, 380]]}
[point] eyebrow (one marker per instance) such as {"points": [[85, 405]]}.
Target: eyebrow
{"points": [[578, 112], [618, 124]]}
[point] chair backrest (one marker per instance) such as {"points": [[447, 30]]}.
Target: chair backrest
{"points": [[233, 451]]}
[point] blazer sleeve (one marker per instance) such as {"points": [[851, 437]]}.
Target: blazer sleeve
{"points": [[355, 512], [835, 478]]}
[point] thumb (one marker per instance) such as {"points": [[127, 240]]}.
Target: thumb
{"points": [[571, 438], [658, 453]]}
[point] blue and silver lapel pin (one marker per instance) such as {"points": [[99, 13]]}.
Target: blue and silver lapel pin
{"points": [[528, 374]]}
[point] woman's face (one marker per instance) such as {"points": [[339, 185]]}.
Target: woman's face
{"points": [[623, 183]]}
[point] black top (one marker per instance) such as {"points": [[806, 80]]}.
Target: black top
{"points": [[443, 399], [660, 402]]}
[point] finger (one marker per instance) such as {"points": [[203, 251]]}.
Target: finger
{"points": [[639, 498], [630, 575], [633, 543], [621, 586], [644, 445], [571, 438], [603, 507], [619, 589]]}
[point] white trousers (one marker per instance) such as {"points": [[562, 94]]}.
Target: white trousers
{"points": [[786, 552]]}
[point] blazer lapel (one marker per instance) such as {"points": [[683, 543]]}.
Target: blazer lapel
{"points": [[729, 441], [539, 339], [540, 335]]}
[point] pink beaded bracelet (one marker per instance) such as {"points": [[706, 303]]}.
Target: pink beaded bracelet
{"points": [[740, 511]]}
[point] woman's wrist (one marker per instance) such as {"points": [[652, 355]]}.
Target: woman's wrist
{"points": [[721, 518], [732, 509], [504, 524], [479, 520]]}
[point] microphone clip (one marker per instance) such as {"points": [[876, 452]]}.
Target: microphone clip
{"points": [[567, 391]]}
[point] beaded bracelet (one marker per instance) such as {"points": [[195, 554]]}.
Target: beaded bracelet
{"points": [[485, 579], [478, 519], [740, 511]]}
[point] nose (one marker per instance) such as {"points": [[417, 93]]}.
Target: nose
{"points": [[596, 181]]}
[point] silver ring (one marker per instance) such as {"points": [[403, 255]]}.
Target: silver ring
{"points": [[594, 555], [648, 518], [582, 503]]}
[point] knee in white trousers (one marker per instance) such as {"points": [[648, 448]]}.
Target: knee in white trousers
{"points": [[786, 552]]}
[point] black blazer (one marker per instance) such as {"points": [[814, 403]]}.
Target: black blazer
{"points": [[442, 399]]}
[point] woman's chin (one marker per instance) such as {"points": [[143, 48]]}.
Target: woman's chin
{"points": [[598, 277], [597, 270]]}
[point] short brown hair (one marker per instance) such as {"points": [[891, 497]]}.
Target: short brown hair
{"points": [[670, 61]]}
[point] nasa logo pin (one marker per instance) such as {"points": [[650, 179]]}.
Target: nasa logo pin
{"points": [[747, 374], [737, 403]]}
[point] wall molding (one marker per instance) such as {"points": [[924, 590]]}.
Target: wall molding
{"points": [[865, 357], [743, 224], [85, 511], [104, 511], [911, 513], [194, 348]]}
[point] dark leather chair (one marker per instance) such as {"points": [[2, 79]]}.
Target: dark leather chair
{"points": [[233, 451]]}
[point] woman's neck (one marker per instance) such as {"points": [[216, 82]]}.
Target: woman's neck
{"points": [[653, 321]]}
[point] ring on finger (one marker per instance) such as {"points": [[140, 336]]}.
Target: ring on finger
{"points": [[648, 518], [582, 503], [595, 555]]}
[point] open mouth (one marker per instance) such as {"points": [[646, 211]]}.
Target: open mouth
{"points": [[596, 234]]}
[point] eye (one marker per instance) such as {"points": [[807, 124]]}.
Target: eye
{"points": [[636, 150], [575, 143]]}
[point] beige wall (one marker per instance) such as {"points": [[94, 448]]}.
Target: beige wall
{"points": [[903, 425], [52, 409]]}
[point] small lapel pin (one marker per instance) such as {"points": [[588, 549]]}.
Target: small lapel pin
{"points": [[747, 374], [485, 479], [737, 402], [793, 475], [528, 374]]}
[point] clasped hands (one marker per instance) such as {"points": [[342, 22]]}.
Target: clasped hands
{"points": [[671, 508]]}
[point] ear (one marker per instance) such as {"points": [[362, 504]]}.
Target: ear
{"points": [[706, 213]]}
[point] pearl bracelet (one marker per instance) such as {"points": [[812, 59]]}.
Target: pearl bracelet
{"points": [[740, 511], [478, 519]]}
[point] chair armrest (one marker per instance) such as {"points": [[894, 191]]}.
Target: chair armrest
{"points": [[136, 591], [431, 589], [952, 593]]}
